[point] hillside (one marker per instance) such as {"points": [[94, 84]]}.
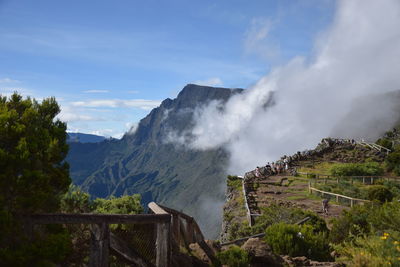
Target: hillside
{"points": [[84, 138], [145, 163], [361, 183]]}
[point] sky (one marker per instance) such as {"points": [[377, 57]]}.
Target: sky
{"points": [[108, 63], [342, 88]]}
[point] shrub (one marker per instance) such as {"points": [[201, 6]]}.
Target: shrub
{"points": [[356, 169], [385, 143], [375, 250], [380, 193], [233, 257], [234, 182], [350, 224], [364, 220], [277, 214], [295, 240], [393, 162]]}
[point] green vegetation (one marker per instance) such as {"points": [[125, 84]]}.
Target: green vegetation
{"points": [[365, 220], [233, 257], [296, 240], [393, 161], [276, 214], [356, 169], [33, 178], [234, 182], [374, 250], [380, 193]]}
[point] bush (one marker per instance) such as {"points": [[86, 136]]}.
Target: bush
{"points": [[393, 162], [375, 250], [380, 193], [356, 169], [385, 143], [350, 224], [276, 214], [295, 240], [365, 220], [233, 257], [234, 182]]}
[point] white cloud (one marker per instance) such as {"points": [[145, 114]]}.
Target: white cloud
{"points": [[133, 92], [215, 81], [8, 80], [96, 91], [257, 39], [118, 103], [72, 117], [358, 55]]}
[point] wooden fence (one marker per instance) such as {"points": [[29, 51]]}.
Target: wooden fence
{"points": [[184, 230], [364, 178], [337, 196], [103, 240]]}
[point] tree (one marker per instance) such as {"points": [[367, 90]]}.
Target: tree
{"points": [[33, 173]]}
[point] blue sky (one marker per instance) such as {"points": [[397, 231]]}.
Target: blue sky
{"points": [[109, 62]]}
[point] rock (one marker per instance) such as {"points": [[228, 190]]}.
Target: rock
{"points": [[304, 261], [261, 254]]}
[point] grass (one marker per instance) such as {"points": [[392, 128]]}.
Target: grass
{"points": [[321, 168]]}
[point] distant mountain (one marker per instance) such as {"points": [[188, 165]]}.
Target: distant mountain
{"points": [[144, 162], [84, 138]]}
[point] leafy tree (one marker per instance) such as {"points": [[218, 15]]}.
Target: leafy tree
{"points": [[33, 176]]}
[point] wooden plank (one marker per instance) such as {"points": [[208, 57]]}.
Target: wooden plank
{"points": [[342, 196], [156, 208], [89, 218], [163, 245], [120, 248], [100, 243]]}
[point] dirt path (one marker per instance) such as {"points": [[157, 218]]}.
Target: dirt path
{"points": [[266, 191]]}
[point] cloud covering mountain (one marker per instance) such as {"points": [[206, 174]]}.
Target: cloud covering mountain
{"points": [[358, 55]]}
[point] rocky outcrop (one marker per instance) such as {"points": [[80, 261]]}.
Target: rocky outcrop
{"points": [[261, 253]]}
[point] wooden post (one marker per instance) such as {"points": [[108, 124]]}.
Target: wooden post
{"points": [[351, 202], [163, 245], [363, 180], [337, 199], [309, 187], [100, 245], [372, 180], [176, 229]]}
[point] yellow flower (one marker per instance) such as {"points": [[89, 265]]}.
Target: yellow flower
{"points": [[385, 234], [383, 237], [396, 242]]}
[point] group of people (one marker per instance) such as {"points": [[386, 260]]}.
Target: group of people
{"points": [[282, 165], [336, 141]]}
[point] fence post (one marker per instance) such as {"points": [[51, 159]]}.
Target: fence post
{"points": [[337, 199], [309, 187], [163, 245], [351, 202], [363, 180], [100, 245]]}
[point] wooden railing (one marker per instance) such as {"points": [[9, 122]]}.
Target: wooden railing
{"points": [[364, 178], [103, 240], [338, 196], [184, 229]]}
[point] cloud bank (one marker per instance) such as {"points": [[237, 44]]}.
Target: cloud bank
{"points": [[114, 103], [357, 56]]}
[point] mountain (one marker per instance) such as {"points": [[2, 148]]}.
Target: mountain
{"points": [[84, 138], [145, 162]]}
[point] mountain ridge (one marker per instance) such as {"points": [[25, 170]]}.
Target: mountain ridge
{"points": [[145, 162]]}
